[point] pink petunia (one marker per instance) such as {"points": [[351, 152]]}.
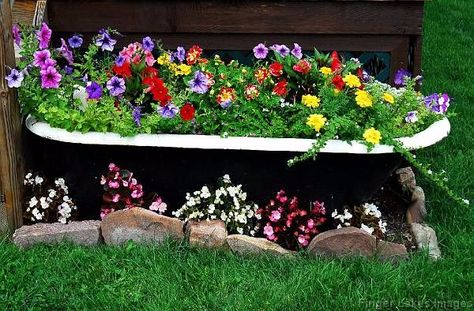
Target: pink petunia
{"points": [[275, 216], [43, 36], [268, 230]]}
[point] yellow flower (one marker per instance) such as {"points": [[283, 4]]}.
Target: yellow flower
{"points": [[182, 69], [325, 70], [316, 121], [373, 136], [388, 98], [351, 80], [164, 59], [363, 99], [310, 101]]}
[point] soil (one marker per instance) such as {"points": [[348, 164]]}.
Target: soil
{"points": [[393, 203]]}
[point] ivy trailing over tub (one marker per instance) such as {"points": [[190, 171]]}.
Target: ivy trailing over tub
{"points": [[144, 88]]}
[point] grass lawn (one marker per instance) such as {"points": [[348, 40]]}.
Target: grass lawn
{"points": [[174, 277]]}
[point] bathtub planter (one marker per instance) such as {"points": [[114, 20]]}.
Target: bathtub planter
{"points": [[174, 164]]}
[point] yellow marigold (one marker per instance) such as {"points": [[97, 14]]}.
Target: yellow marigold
{"points": [[316, 121], [388, 98], [325, 70], [164, 59], [182, 69], [373, 136], [310, 101], [363, 99], [351, 80]]}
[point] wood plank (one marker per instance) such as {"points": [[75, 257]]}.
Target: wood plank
{"points": [[11, 164], [23, 11], [315, 17]]}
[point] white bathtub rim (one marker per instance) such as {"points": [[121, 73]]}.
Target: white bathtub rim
{"points": [[430, 136]]}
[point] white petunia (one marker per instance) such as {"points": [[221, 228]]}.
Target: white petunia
{"points": [[44, 204], [33, 202], [367, 229], [39, 180], [240, 230]]}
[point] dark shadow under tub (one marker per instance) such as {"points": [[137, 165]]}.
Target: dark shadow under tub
{"points": [[335, 178]]}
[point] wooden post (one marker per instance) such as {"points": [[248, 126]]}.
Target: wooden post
{"points": [[11, 163]]}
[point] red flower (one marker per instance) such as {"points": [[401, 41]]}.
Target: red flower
{"points": [[338, 82], [150, 72], [335, 63], [193, 54], [276, 69], [280, 88], [158, 90], [187, 112], [303, 66], [124, 70], [251, 92], [261, 75]]}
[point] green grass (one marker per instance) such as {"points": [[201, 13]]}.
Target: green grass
{"points": [[174, 277]]}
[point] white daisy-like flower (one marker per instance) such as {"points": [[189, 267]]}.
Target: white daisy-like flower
{"points": [[39, 180], [51, 193], [44, 204], [367, 229], [37, 214], [240, 230], [33, 202], [28, 176]]}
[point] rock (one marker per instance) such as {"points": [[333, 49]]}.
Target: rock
{"points": [[247, 245], [425, 238], [389, 251], [406, 178], [140, 225], [78, 232], [417, 209], [347, 241], [206, 233]]}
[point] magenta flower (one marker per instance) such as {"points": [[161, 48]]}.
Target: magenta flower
{"points": [[40, 58], [114, 184], [281, 196], [65, 52], [116, 86], [116, 198], [260, 51], [268, 230], [113, 167], [302, 240], [50, 78], [296, 51], [94, 90], [14, 79], [281, 49], [16, 34], [158, 205], [43, 36], [275, 216]]}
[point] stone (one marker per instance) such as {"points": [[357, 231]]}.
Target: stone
{"points": [[206, 233], [247, 245], [416, 211], [141, 226], [406, 178], [347, 241], [389, 251], [425, 238], [78, 232]]}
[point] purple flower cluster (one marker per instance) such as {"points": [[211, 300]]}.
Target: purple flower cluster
{"points": [[180, 54], [400, 76], [16, 34], [438, 103], [281, 49], [50, 77], [260, 51], [137, 116], [66, 52]]}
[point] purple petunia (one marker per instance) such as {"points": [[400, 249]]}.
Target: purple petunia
{"points": [[16, 34], [400, 76], [75, 41], [168, 111], [260, 51], [50, 78], [68, 70], [281, 49], [40, 58], [137, 116], [148, 44], [200, 83], [14, 79], [411, 117], [43, 36], [104, 41], [180, 54], [297, 51], [94, 90], [116, 86], [65, 52], [437, 103], [120, 60]]}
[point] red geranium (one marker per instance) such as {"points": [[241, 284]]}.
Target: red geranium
{"points": [[335, 62], [303, 66], [193, 54], [150, 72], [276, 69], [187, 112], [280, 88], [124, 70], [157, 88], [338, 82]]}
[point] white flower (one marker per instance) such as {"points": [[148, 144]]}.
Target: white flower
{"points": [[347, 215], [243, 196], [338, 227], [466, 201], [334, 214], [232, 191], [223, 216], [28, 176], [36, 213], [62, 220], [367, 229], [240, 230], [158, 206], [218, 193], [39, 180], [430, 172], [382, 226], [33, 202], [176, 213], [250, 213], [211, 208], [52, 193], [213, 217], [44, 203], [197, 192], [66, 198], [252, 232], [226, 178]]}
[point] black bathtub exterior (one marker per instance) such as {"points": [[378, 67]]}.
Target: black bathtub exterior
{"points": [[335, 178]]}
